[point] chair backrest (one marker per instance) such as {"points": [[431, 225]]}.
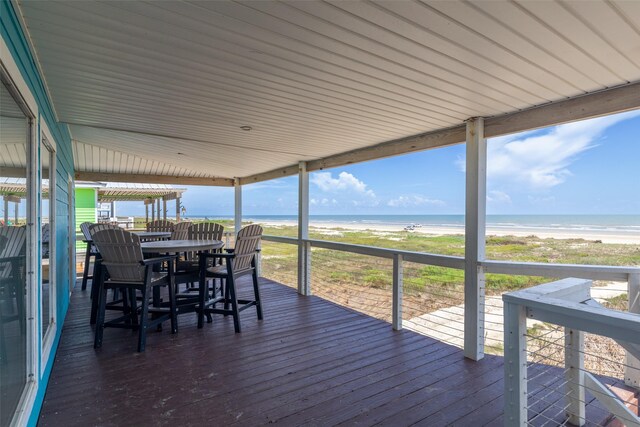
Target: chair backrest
{"points": [[84, 227], [246, 245], [160, 225], [121, 253], [206, 231], [46, 233], [181, 231], [94, 228], [13, 243]]}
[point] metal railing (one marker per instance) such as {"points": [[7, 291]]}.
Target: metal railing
{"points": [[568, 304]]}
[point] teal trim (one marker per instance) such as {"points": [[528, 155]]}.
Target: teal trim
{"points": [[14, 36]]}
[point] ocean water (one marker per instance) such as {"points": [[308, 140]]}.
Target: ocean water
{"points": [[586, 223]]}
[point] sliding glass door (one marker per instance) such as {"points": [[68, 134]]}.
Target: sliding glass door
{"points": [[15, 128]]}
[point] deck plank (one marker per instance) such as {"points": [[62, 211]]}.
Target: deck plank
{"points": [[309, 362]]}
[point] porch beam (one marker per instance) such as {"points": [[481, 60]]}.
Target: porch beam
{"points": [[595, 104], [475, 219], [304, 248], [153, 179], [237, 212]]}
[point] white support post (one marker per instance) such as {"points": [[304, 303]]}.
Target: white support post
{"points": [[515, 365], [397, 292], [632, 368], [304, 248], [574, 364], [177, 209], [237, 212], [113, 210], [475, 220], [6, 211]]}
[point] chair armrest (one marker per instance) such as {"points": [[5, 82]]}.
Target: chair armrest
{"points": [[229, 250], [157, 260], [218, 255]]}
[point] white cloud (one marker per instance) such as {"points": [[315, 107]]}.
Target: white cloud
{"points": [[323, 202], [406, 201], [344, 182], [497, 196], [542, 160]]}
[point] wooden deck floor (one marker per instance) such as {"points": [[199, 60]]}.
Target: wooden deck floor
{"points": [[309, 362]]}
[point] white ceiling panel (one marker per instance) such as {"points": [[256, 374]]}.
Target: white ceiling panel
{"points": [[139, 82]]}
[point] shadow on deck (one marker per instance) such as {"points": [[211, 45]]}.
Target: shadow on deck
{"points": [[309, 362]]}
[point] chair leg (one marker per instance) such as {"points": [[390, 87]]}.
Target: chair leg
{"points": [[202, 294], [142, 334], [226, 294], [174, 308], [256, 292], [96, 284], [87, 260], [133, 314], [234, 303], [102, 306]]}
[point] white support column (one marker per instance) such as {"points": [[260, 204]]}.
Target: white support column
{"points": [[574, 364], [515, 365], [177, 209], [304, 249], [237, 213], [632, 370], [113, 209], [475, 219], [397, 292], [6, 211]]}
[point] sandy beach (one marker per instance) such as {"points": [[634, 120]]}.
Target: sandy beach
{"points": [[603, 236]]}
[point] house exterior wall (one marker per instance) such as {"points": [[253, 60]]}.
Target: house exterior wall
{"points": [[18, 52], [85, 199]]}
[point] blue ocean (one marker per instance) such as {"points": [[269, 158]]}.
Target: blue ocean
{"points": [[585, 223]]}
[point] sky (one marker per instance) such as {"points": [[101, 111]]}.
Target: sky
{"points": [[587, 167]]}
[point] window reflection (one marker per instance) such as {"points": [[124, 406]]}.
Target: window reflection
{"points": [[14, 136]]}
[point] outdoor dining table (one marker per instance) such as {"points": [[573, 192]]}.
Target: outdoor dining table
{"points": [[144, 235], [175, 247]]}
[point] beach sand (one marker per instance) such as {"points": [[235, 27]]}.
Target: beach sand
{"points": [[603, 236]]}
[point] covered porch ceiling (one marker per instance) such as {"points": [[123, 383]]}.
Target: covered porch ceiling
{"points": [[159, 92]]}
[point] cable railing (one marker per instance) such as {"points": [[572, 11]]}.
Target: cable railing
{"points": [[425, 293], [562, 361]]}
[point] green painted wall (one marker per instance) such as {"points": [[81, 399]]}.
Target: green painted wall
{"points": [[85, 210]]}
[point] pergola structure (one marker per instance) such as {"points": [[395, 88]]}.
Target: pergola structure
{"points": [[233, 93], [153, 195]]}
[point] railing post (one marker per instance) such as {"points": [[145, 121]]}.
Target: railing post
{"points": [[475, 219], [574, 364], [515, 365], [397, 292], [304, 248], [632, 368]]}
